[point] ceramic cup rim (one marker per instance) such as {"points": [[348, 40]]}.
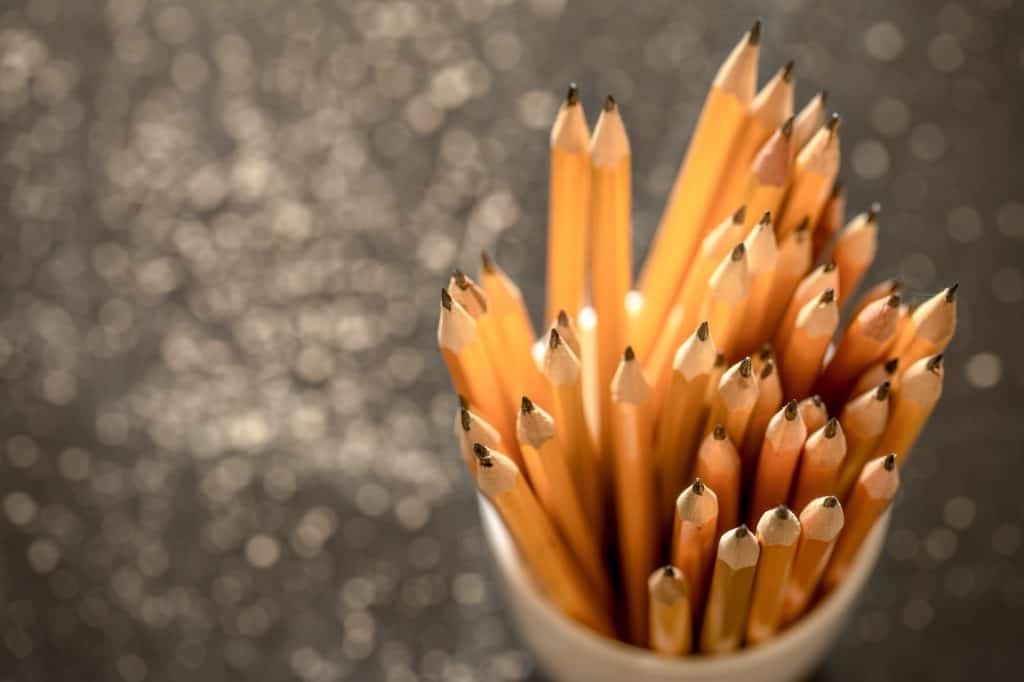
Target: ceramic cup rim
{"points": [[835, 606]]}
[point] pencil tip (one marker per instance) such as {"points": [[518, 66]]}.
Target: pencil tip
{"points": [[767, 350], [792, 410], [554, 339], [738, 252], [890, 461], [629, 355], [804, 226], [572, 97], [742, 531], [719, 359], [782, 512], [740, 215], [829, 266], [833, 123], [526, 405], [746, 367], [767, 368], [787, 71], [766, 219], [873, 211], [483, 455], [668, 570], [824, 96], [698, 486], [827, 296], [951, 292], [891, 365], [486, 261], [831, 427], [754, 36], [703, 331], [463, 403], [896, 285], [787, 127], [816, 399], [882, 392], [831, 501], [719, 432], [446, 299], [609, 103], [460, 279], [464, 419], [893, 301], [838, 187], [935, 363], [563, 318]]}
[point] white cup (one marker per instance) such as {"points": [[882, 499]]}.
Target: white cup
{"points": [[568, 652]]}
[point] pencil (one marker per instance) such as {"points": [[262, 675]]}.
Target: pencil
{"points": [[729, 598], [818, 471], [778, 532], [718, 465], [778, 459], [694, 535], [919, 391], [670, 624], [820, 523]]}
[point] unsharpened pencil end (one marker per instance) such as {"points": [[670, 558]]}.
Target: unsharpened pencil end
{"points": [[572, 96], [792, 410], [890, 461], [703, 331]]}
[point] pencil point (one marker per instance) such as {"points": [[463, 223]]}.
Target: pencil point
{"points": [[719, 432], [781, 512], [460, 279], [698, 486], [746, 367], [719, 359], [767, 350], [824, 97], [742, 531], [838, 187], [486, 262], [882, 392], [816, 399], [897, 285], [554, 339], [827, 296], [483, 455], [787, 71], [829, 266], [609, 103], [738, 252], [831, 428], [792, 410], [787, 127], [464, 418], [563, 319], [766, 219], [446, 299], [890, 461], [463, 403], [767, 368], [833, 123], [935, 363], [754, 37], [891, 366], [831, 501], [703, 331], [572, 97], [668, 571], [894, 301], [951, 292], [873, 211], [526, 405], [629, 355], [740, 215], [804, 226]]}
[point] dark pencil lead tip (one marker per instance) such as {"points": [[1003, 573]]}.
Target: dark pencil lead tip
{"points": [[446, 299], [787, 127], [719, 432], [838, 187], [483, 455], [563, 318], [891, 365], [766, 219], [463, 403], [609, 103], [746, 367], [698, 486], [882, 392], [792, 410], [831, 501], [526, 405], [827, 296], [464, 419], [573, 95], [816, 399], [486, 261], [781, 512], [460, 279], [824, 97], [703, 331], [669, 571], [833, 123], [554, 339], [719, 359], [629, 355], [890, 461], [873, 211], [787, 71], [951, 292], [831, 427], [754, 37], [935, 363], [767, 350], [893, 301], [829, 266], [767, 368], [742, 531], [740, 215], [804, 226], [897, 285], [738, 251]]}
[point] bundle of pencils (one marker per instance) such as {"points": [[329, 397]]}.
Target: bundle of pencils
{"points": [[690, 465]]}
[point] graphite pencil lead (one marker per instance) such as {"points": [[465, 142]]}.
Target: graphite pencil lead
{"points": [[483, 455], [563, 318], [829, 266], [781, 512], [833, 123], [526, 405], [698, 486], [703, 331], [767, 368], [891, 366], [572, 97], [740, 215], [787, 71], [446, 299], [464, 419], [755, 33], [792, 410], [827, 296], [935, 364], [486, 262], [767, 350], [719, 432], [787, 127], [554, 339], [894, 301], [838, 187], [831, 428], [609, 103], [873, 211], [951, 292], [882, 392], [824, 97], [738, 251], [746, 367], [831, 501], [890, 461], [742, 531], [766, 219], [629, 355]]}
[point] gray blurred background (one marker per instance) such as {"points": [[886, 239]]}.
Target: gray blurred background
{"points": [[225, 429]]}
